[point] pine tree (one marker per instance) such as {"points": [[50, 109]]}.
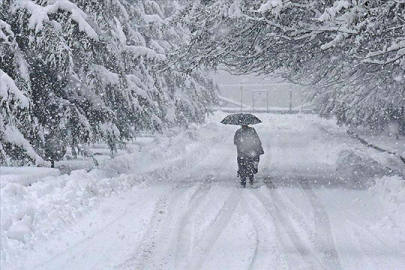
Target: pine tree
{"points": [[96, 71]]}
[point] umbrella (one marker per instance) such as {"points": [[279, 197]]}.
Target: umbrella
{"points": [[241, 119]]}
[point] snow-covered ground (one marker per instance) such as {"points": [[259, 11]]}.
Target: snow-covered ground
{"points": [[322, 200]]}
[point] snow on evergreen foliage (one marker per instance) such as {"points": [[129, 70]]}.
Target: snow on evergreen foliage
{"points": [[84, 71], [351, 52]]}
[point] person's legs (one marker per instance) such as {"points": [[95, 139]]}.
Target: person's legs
{"points": [[243, 181], [243, 170], [251, 177], [256, 164], [240, 165], [249, 168]]}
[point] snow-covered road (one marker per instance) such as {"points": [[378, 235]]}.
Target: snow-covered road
{"points": [[308, 209]]}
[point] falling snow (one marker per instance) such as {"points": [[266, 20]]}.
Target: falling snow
{"points": [[113, 152]]}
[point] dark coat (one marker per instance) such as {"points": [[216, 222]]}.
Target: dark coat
{"points": [[248, 142]]}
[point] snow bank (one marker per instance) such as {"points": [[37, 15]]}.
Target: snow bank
{"points": [[391, 190], [168, 153], [35, 208], [35, 213], [25, 176], [359, 167], [384, 177]]}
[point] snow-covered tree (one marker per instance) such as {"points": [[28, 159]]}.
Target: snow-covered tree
{"points": [[18, 126], [351, 51], [97, 70]]}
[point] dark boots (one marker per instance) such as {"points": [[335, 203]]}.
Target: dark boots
{"points": [[251, 179], [243, 180]]}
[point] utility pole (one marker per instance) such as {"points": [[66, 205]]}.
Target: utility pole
{"points": [[267, 101], [290, 98], [241, 96], [253, 100], [301, 100]]}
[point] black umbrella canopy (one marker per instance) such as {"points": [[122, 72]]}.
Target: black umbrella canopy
{"points": [[240, 119]]}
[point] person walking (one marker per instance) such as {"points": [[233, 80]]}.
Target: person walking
{"points": [[249, 149]]}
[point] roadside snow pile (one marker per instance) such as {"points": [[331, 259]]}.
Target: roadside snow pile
{"points": [[391, 190], [382, 174], [25, 176], [33, 211], [168, 153], [358, 167]]}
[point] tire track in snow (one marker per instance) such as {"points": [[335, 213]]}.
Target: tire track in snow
{"points": [[81, 245], [323, 239], [222, 220], [181, 206], [263, 254], [258, 234], [365, 242], [325, 242], [181, 239], [309, 258], [185, 233], [150, 241], [330, 258]]}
